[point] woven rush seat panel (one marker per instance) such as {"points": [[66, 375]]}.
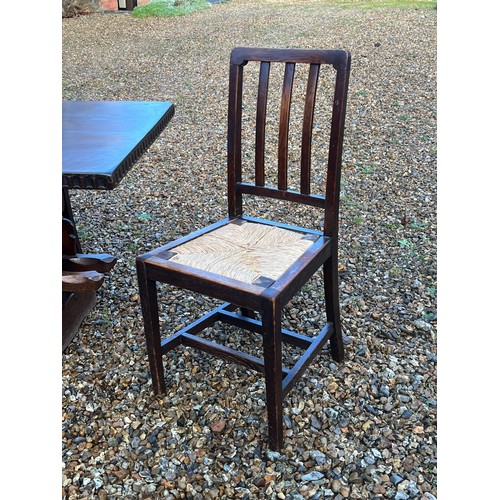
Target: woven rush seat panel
{"points": [[244, 251]]}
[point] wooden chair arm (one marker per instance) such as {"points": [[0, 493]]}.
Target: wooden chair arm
{"points": [[100, 262], [86, 281]]}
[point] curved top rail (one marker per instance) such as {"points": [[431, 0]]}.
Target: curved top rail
{"points": [[338, 58]]}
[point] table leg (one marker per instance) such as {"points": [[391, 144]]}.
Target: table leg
{"points": [[67, 213]]}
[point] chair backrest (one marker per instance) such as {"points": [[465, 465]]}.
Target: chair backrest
{"points": [[240, 56]]}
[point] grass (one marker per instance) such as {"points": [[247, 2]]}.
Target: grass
{"points": [[366, 4], [412, 248], [395, 271], [407, 243], [169, 8], [386, 4], [416, 225]]}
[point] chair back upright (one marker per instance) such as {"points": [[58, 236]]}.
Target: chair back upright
{"points": [[240, 56]]}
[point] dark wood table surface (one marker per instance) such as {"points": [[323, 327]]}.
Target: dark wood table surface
{"points": [[101, 141]]}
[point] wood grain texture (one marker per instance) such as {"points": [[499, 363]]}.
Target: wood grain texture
{"points": [[286, 101], [307, 128], [81, 281], [260, 127]]}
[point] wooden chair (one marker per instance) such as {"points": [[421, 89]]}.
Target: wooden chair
{"points": [[82, 276], [81, 272], [254, 264]]}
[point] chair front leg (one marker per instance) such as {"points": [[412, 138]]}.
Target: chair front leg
{"points": [[331, 284], [149, 305], [271, 323]]}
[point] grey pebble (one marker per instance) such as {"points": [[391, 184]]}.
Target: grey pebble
{"points": [[343, 422], [294, 495], [401, 495], [273, 455], [171, 473], [384, 391], [430, 496], [423, 325], [396, 479], [331, 413], [312, 476], [318, 456], [316, 423]]}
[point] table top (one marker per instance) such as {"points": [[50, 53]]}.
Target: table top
{"points": [[101, 140]]}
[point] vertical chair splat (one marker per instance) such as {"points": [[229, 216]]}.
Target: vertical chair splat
{"points": [[286, 101], [260, 128], [305, 160]]}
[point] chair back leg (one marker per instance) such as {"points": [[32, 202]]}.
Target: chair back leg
{"points": [[332, 305]]}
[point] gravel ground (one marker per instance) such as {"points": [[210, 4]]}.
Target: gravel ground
{"points": [[362, 429]]}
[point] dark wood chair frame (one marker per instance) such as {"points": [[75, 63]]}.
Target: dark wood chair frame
{"points": [[268, 298], [82, 275]]}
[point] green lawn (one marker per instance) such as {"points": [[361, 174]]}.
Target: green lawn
{"points": [[168, 8], [382, 4]]}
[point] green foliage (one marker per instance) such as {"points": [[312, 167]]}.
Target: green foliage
{"points": [[412, 248], [416, 225], [429, 316], [386, 4], [169, 8], [83, 234], [407, 243], [358, 4], [395, 271]]}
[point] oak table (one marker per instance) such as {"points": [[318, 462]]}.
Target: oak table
{"points": [[101, 141]]}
